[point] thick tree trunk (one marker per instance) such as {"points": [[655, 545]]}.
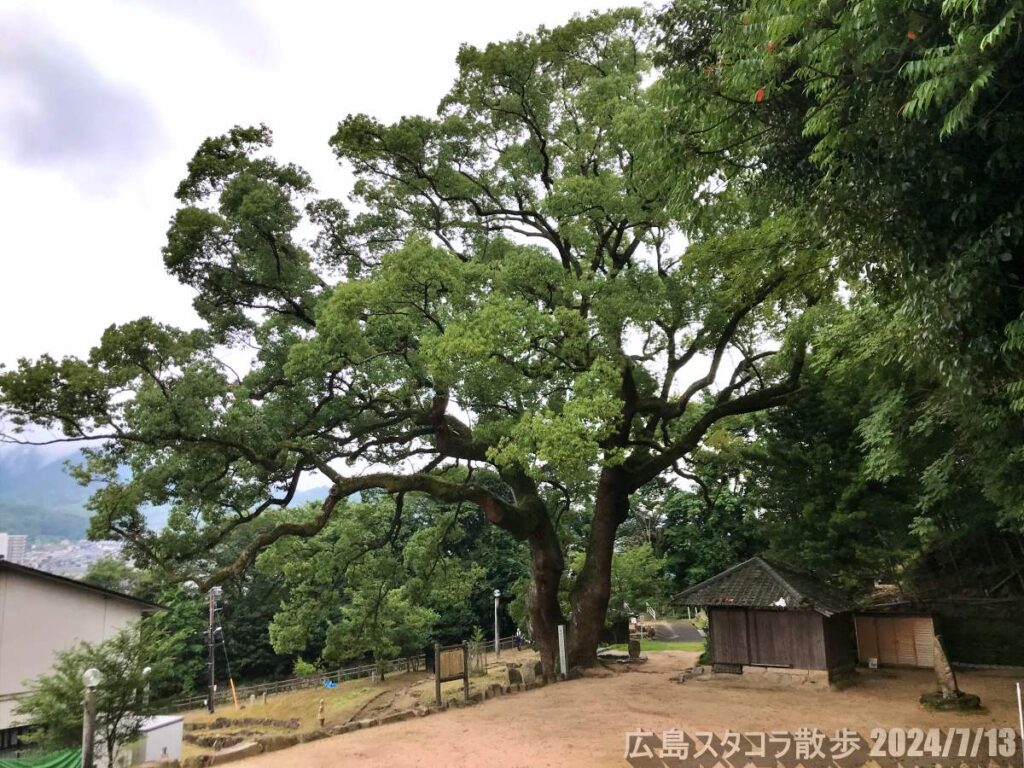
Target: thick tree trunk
{"points": [[547, 564], [590, 593]]}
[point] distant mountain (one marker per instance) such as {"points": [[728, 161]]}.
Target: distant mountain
{"points": [[33, 474], [39, 498]]}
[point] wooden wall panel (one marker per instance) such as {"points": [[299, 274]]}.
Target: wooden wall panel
{"points": [[867, 638], [787, 639], [840, 643], [906, 648], [896, 640], [924, 641], [729, 635], [888, 653]]}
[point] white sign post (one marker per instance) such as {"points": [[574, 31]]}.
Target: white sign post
{"points": [[1020, 715], [563, 665]]}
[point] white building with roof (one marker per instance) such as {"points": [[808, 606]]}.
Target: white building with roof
{"points": [[42, 614]]}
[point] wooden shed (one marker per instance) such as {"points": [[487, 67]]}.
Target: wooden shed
{"points": [[764, 614]]}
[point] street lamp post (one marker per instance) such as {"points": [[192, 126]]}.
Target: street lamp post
{"points": [[92, 678], [497, 635], [145, 688]]}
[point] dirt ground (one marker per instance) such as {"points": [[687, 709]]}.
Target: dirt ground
{"points": [[584, 722]]}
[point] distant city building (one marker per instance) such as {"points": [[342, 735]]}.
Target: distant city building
{"points": [[12, 547], [70, 558]]}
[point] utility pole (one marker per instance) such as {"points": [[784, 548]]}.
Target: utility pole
{"points": [[211, 658]]}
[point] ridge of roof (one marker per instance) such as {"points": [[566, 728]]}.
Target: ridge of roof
{"points": [[717, 577], [782, 581], [27, 570], [799, 589]]}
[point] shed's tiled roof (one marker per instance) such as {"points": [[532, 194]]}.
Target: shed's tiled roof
{"points": [[757, 583]]}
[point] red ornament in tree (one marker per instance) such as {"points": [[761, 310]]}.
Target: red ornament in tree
{"points": [[760, 95], [911, 35]]}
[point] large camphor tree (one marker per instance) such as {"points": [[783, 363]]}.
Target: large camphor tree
{"points": [[539, 305]]}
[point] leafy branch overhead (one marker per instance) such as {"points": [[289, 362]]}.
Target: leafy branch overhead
{"points": [[895, 125]]}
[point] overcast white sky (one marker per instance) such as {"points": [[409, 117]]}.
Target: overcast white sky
{"points": [[102, 103]]}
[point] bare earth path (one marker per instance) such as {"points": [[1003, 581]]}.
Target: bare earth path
{"points": [[583, 723]]}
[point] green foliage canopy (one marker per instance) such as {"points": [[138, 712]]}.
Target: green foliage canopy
{"points": [[902, 119]]}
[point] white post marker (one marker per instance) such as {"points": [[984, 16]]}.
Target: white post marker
{"points": [[1020, 715], [497, 638], [561, 652]]}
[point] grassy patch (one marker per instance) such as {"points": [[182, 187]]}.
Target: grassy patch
{"points": [[301, 704], [663, 645], [339, 703]]}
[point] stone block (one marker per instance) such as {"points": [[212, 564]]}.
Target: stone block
{"points": [[274, 742], [237, 752], [634, 649], [396, 717], [958, 702], [515, 675]]}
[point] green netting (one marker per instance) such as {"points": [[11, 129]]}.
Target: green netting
{"points": [[69, 758]]}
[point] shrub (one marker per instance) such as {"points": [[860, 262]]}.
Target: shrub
{"points": [[304, 668]]}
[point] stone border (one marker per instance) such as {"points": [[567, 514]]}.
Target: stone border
{"points": [[292, 724]]}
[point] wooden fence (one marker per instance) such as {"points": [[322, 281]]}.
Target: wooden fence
{"points": [[223, 693], [411, 664]]}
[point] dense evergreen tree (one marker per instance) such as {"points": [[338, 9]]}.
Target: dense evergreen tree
{"points": [[894, 125]]}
